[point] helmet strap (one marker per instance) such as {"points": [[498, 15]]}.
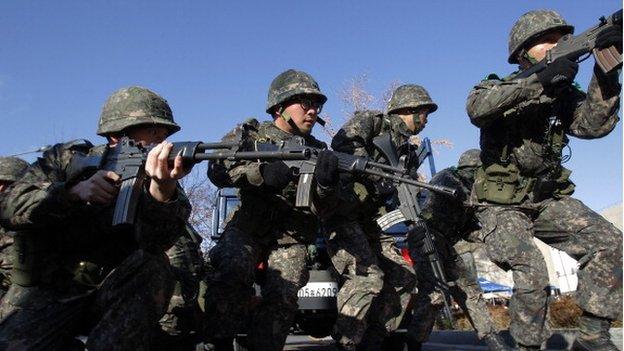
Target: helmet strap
{"points": [[525, 54], [285, 115], [417, 124]]}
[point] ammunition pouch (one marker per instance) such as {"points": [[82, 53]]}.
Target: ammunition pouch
{"points": [[25, 252], [88, 274], [548, 186], [502, 184]]}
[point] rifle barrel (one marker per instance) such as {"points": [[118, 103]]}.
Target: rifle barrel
{"points": [[254, 155], [214, 146], [435, 188]]}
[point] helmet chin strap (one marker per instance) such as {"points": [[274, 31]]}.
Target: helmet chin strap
{"points": [[286, 117], [417, 124], [525, 54]]}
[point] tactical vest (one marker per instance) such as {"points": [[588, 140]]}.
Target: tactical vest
{"points": [[501, 182], [261, 213], [33, 256], [370, 205]]}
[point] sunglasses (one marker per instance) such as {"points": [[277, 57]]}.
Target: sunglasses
{"points": [[308, 103]]}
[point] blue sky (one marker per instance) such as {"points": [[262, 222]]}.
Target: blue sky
{"points": [[213, 61]]}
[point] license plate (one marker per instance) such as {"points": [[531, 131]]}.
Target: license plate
{"points": [[316, 289]]}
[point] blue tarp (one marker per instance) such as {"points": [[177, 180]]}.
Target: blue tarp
{"points": [[489, 287]]}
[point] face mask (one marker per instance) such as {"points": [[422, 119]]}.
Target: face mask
{"points": [[417, 124]]}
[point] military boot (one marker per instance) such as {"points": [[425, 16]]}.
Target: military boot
{"points": [[341, 347], [413, 345], [225, 344], [593, 334], [494, 342]]}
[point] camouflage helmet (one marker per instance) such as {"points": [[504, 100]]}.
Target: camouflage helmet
{"points": [[410, 95], [532, 25], [470, 158], [134, 106], [12, 168], [290, 83]]}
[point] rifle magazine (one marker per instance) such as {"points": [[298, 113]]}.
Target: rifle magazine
{"points": [[608, 59]]}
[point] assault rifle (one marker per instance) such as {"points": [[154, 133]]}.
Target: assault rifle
{"points": [[302, 161], [408, 211], [127, 159], [574, 47]]}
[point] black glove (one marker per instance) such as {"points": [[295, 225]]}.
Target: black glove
{"points": [[413, 173], [276, 175], [416, 237], [561, 72], [326, 171], [384, 188], [218, 175], [610, 37]]}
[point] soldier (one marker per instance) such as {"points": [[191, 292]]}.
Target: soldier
{"points": [[267, 226], [378, 282], [522, 190], [451, 222], [64, 225], [181, 324], [11, 170]]}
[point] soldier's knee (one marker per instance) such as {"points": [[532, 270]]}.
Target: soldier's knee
{"points": [[375, 278]]}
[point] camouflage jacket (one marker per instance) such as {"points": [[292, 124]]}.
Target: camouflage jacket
{"points": [[6, 242], [262, 212], [67, 232], [360, 195], [514, 118], [356, 136]]}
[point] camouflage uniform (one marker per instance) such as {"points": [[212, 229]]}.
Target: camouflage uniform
{"points": [[378, 282], [182, 322], [76, 274], [268, 227], [451, 222], [522, 191], [11, 169]]}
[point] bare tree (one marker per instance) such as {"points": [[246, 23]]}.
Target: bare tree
{"points": [[354, 95], [384, 98], [202, 196]]}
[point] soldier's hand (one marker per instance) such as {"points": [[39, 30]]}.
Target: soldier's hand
{"points": [[100, 188], [384, 188], [561, 72], [416, 237], [276, 175], [163, 176], [218, 175], [326, 171]]}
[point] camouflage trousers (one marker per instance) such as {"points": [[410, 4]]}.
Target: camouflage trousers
{"points": [[121, 314], [230, 303], [6, 246], [376, 284], [181, 323], [568, 225], [461, 269]]}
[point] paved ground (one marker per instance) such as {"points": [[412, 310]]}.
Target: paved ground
{"points": [[450, 340]]}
